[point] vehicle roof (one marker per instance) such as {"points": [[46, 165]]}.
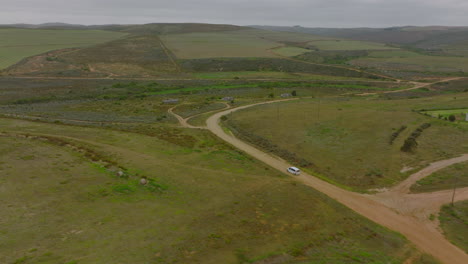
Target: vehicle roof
{"points": [[294, 168]]}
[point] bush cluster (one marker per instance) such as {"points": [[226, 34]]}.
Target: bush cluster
{"points": [[411, 143], [396, 134]]}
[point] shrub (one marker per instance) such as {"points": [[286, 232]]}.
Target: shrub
{"points": [[396, 134], [452, 118], [409, 145]]}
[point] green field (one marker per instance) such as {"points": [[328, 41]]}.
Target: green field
{"points": [[271, 75], [220, 44], [17, 44], [208, 203], [455, 175], [346, 140], [454, 223], [290, 51], [412, 62], [446, 113], [348, 45]]}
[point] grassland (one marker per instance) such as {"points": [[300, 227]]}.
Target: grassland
{"points": [[290, 51], [346, 140], [455, 175], [421, 63], [264, 75], [348, 45], [131, 56], [454, 223], [217, 205], [17, 44], [216, 45], [459, 113]]}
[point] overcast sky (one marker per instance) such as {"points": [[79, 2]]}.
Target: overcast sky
{"points": [[308, 13]]}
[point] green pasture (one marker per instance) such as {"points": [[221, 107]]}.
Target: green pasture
{"points": [[455, 175], [348, 45], [412, 62], [347, 139], [454, 221], [217, 205], [17, 44], [271, 75], [219, 44], [446, 113], [290, 51]]}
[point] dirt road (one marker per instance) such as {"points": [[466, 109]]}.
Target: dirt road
{"points": [[417, 85], [377, 208]]}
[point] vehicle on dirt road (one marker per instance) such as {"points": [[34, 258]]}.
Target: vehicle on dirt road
{"points": [[294, 170]]}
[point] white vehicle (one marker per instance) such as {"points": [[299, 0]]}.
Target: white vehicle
{"points": [[294, 170]]}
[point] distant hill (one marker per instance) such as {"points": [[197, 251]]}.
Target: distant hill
{"points": [[153, 28], [430, 37]]}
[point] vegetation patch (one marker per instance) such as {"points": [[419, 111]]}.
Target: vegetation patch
{"points": [[454, 223], [455, 175], [396, 134], [410, 143], [17, 44]]}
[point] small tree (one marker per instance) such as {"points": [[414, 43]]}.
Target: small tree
{"points": [[452, 118], [293, 93], [271, 95], [409, 145]]}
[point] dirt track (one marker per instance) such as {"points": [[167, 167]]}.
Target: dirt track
{"points": [[417, 85], [393, 209]]}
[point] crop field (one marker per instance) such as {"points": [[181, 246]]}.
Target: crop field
{"points": [[453, 221], [347, 140], [220, 44], [290, 51], [455, 175], [17, 44], [348, 45], [207, 203]]}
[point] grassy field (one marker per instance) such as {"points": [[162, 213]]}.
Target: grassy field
{"points": [[347, 140], [444, 179], [17, 44], [271, 75], [348, 45], [290, 51], [208, 204], [454, 223], [132, 56], [411, 62], [459, 113], [220, 44]]}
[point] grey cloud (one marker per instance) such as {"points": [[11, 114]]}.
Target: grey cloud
{"points": [[314, 13]]}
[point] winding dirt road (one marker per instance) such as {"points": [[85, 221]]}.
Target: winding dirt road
{"points": [[384, 208]]}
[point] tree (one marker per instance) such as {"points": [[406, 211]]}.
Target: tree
{"points": [[452, 118], [293, 93]]}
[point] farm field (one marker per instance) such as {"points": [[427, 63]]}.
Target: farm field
{"points": [[347, 140], [257, 213], [17, 44], [219, 44], [290, 51], [338, 44], [445, 179]]}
